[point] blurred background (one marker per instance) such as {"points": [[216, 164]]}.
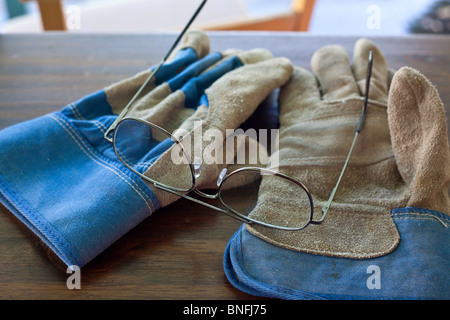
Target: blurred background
{"points": [[330, 17]]}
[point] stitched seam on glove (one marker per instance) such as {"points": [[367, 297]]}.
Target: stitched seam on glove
{"points": [[97, 159]]}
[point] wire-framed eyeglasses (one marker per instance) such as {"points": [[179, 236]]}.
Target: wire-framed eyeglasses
{"points": [[138, 143]]}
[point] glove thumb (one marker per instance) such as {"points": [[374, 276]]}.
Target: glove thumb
{"points": [[418, 131]]}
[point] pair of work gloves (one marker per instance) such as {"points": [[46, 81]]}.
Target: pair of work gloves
{"points": [[63, 180]]}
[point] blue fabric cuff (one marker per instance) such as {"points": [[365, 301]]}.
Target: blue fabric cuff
{"points": [[61, 178], [416, 269]]}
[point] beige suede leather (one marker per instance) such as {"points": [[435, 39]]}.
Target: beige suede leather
{"points": [[418, 129]]}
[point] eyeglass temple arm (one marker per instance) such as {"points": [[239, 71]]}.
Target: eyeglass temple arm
{"points": [[327, 205], [150, 77], [366, 96], [330, 199]]}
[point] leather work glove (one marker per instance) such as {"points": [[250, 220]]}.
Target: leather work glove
{"points": [[317, 125], [63, 179], [386, 233]]}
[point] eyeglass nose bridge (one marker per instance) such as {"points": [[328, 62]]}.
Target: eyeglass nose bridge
{"points": [[197, 165], [221, 177]]}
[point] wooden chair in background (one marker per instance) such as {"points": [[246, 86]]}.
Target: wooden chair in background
{"points": [[52, 14], [296, 18]]}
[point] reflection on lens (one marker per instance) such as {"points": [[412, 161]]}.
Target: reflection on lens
{"points": [[138, 145], [268, 198]]}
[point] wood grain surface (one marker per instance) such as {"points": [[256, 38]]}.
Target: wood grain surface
{"points": [[178, 252]]}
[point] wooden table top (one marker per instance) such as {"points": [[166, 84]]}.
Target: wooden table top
{"points": [[161, 258]]}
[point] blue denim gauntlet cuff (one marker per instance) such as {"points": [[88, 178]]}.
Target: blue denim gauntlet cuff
{"points": [[59, 177], [416, 269]]}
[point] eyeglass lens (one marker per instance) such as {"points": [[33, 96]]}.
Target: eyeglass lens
{"points": [[138, 145], [250, 193]]}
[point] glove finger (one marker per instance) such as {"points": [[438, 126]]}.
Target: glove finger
{"points": [[235, 96], [181, 95], [194, 45], [232, 59], [193, 70], [331, 65], [194, 88], [178, 98], [418, 129], [380, 74], [298, 96], [201, 74], [196, 40]]}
